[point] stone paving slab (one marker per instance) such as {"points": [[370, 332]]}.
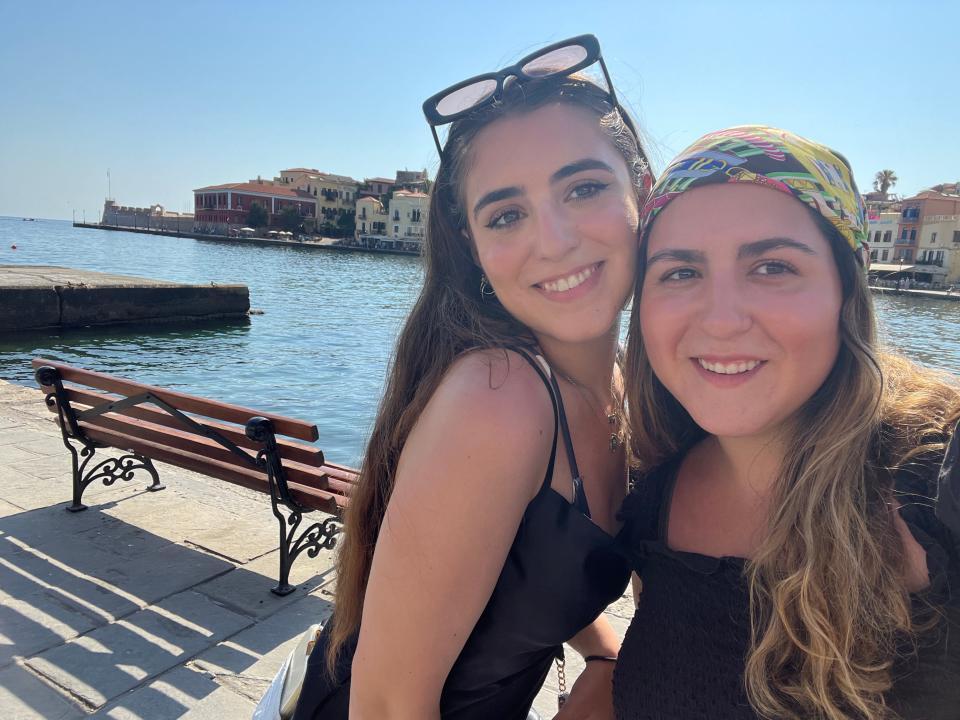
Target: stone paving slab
{"points": [[8, 509], [247, 589], [170, 515], [180, 693], [118, 657], [40, 620], [23, 696], [249, 660]]}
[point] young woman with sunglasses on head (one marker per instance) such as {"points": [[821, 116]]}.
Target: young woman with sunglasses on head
{"points": [[797, 527], [479, 538]]}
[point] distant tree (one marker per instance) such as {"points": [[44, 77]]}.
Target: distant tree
{"points": [[346, 224], [257, 216], [884, 180], [290, 220]]}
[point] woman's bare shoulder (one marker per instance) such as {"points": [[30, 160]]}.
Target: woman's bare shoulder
{"points": [[497, 385]]}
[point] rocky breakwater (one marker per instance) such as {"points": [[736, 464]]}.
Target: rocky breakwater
{"points": [[40, 296]]}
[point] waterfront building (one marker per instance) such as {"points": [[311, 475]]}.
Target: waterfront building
{"points": [[372, 217], [881, 232], [336, 195], [155, 217], [412, 180], [218, 207], [938, 249], [408, 214], [926, 203], [378, 187]]}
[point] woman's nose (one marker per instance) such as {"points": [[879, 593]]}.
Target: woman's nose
{"points": [[557, 235], [726, 312]]}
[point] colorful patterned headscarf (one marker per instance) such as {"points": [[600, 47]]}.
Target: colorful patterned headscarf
{"points": [[814, 174]]}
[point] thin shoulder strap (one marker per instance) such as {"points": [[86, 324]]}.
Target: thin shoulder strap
{"points": [[579, 495], [556, 412]]}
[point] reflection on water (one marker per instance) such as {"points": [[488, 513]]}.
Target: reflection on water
{"points": [[320, 350]]}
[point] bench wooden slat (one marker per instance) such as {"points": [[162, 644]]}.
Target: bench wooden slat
{"points": [[289, 450], [309, 496], [182, 401]]}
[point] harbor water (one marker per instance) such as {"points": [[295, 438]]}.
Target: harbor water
{"points": [[320, 349]]}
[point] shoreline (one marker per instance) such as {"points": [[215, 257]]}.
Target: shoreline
{"points": [[323, 244], [932, 294]]}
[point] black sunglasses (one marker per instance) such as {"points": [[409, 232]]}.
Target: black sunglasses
{"points": [[560, 59]]}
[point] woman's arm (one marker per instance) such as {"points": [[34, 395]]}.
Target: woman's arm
{"points": [[472, 463], [591, 697]]}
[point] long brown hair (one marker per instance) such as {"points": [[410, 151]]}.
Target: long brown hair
{"points": [[827, 600], [450, 317]]}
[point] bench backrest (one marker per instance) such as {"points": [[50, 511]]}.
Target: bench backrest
{"points": [[195, 433]]}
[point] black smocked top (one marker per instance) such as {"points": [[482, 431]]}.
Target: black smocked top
{"points": [[683, 655], [560, 573]]}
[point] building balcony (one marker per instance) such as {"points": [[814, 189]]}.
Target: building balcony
{"points": [[929, 262]]}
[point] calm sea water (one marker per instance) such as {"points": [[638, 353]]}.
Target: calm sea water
{"points": [[320, 350]]}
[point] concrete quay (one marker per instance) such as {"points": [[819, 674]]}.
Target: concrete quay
{"points": [[147, 605], [42, 296], [953, 296], [315, 244]]}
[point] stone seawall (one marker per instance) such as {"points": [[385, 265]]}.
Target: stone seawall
{"points": [[33, 297]]}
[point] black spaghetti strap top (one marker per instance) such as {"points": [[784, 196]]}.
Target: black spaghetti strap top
{"points": [[560, 573]]}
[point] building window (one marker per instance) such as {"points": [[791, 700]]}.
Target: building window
{"points": [[396, 215], [903, 234], [913, 234], [883, 258], [873, 254], [956, 236], [907, 255], [888, 236], [396, 229], [933, 238]]}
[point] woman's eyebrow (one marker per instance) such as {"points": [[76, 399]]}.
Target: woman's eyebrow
{"points": [[579, 166], [759, 247], [495, 196], [676, 255]]}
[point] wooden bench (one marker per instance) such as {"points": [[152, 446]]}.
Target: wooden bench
{"points": [[257, 450]]}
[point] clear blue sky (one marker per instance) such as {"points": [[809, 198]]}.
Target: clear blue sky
{"points": [[177, 95]]}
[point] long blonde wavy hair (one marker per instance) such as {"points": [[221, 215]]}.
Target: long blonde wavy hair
{"points": [[828, 605]]}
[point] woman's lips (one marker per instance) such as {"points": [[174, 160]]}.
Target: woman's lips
{"points": [[572, 285], [727, 372]]}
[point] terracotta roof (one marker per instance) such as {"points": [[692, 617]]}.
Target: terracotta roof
{"points": [[386, 181], [407, 193], [262, 188]]}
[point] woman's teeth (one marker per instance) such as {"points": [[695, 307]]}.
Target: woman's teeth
{"points": [[569, 282], [734, 368]]}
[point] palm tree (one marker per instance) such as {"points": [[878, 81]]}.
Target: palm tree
{"points": [[884, 180]]}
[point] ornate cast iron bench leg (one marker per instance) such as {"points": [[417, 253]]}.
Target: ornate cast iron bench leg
{"points": [[316, 537], [109, 470], [319, 536]]}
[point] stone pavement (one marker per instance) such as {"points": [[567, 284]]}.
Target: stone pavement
{"points": [[147, 605]]}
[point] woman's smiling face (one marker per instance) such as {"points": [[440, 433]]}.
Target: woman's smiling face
{"points": [[740, 306], [553, 215]]}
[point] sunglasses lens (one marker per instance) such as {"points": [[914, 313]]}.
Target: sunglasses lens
{"points": [[466, 97], [556, 61]]}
